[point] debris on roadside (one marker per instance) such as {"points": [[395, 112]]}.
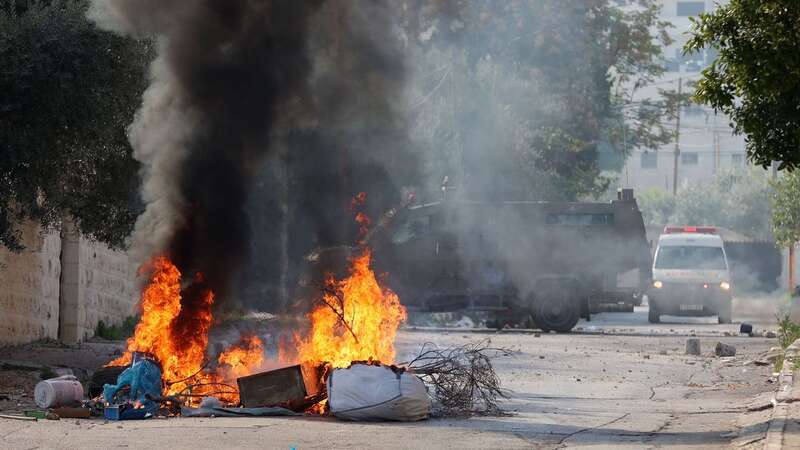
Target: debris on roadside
{"points": [[221, 411], [137, 392], [693, 346], [394, 394], [745, 328], [65, 390], [66, 412], [773, 354], [16, 417], [724, 350], [462, 380], [281, 386]]}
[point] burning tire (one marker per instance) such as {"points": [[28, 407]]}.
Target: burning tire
{"points": [[555, 307]]}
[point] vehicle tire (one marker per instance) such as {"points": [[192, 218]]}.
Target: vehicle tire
{"points": [[555, 308], [103, 376], [725, 313], [653, 314]]}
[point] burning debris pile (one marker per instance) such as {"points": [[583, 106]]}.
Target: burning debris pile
{"points": [[230, 78], [356, 320], [349, 341]]}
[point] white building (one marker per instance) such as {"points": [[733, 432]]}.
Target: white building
{"points": [[706, 142]]}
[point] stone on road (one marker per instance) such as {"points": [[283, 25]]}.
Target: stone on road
{"points": [[724, 350], [693, 346]]}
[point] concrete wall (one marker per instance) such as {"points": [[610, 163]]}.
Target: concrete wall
{"points": [[61, 286], [29, 288]]}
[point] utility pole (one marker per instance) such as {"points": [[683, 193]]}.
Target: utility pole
{"points": [[677, 138], [716, 151], [791, 268]]}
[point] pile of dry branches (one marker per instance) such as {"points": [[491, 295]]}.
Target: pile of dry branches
{"points": [[462, 379]]}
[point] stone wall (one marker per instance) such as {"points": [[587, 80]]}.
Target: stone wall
{"points": [[29, 287], [61, 286]]}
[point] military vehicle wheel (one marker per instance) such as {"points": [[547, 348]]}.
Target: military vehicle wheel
{"points": [[555, 309], [653, 314]]}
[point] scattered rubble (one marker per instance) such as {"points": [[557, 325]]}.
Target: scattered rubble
{"points": [[15, 417], [693, 346], [773, 354], [724, 350]]}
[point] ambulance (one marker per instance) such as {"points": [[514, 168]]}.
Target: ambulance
{"points": [[691, 276]]}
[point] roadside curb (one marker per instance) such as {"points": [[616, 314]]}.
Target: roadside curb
{"points": [[788, 390]]}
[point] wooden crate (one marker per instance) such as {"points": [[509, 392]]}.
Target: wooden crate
{"points": [[279, 386]]}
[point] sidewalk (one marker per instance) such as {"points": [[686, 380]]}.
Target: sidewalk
{"points": [[784, 425]]}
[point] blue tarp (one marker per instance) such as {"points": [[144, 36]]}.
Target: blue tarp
{"points": [[144, 379]]}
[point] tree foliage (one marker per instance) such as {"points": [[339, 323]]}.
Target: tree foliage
{"points": [[656, 205], [517, 97], [69, 91], [755, 79], [738, 200], [786, 209]]}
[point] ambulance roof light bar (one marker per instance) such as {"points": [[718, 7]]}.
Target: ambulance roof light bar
{"points": [[689, 229]]}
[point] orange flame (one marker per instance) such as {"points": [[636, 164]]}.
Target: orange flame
{"points": [[357, 320], [178, 338], [241, 359]]}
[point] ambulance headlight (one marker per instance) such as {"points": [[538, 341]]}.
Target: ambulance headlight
{"points": [[725, 286], [657, 284]]}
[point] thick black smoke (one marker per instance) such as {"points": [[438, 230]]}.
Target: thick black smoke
{"points": [[233, 80]]}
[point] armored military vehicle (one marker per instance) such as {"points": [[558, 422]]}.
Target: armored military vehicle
{"points": [[544, 264]]}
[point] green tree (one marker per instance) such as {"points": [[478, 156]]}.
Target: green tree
{"points": [[657, 206], [518, 96], [738, 200], [786, 209], [69, 90], [755, 79]]}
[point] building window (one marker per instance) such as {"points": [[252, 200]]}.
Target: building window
{"points": [[686, 9], [737, 159], [649, 160], [689, 158]]}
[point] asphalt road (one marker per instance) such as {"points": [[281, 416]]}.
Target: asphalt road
{"points": [[619, 382]]}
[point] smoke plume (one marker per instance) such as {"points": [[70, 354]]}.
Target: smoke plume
{"points": [[232, 80]]}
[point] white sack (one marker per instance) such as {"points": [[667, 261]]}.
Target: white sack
{"points": [[365, 392]]}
